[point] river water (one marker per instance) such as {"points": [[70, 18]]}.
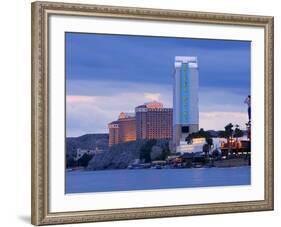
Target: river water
{"points": [[145, 179]]}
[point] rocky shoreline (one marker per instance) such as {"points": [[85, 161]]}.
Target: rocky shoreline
{"points": [[235, 162]]}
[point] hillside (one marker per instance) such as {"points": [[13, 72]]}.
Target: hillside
{"points": [[119, 156], [88, 141]]}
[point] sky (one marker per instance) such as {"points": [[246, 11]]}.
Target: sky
{"points": [[108, 74]]}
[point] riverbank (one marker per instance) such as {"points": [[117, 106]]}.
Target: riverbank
{"points": [[232, 163], [222, 163], [148, 179]]}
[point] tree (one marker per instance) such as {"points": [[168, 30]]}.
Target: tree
{"points": [[207, 146], [146, 150], [229, 134], [84, 160], [206, 149], [70, 162], [166, 151], [200, 134], [156, 153], [215, 154], [229, 129], [209, 141], [222, 134], [238, 132]]}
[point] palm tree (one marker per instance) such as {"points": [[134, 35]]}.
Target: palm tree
{"points": [[238, 132], [229, 135], [207, 145], [200, 134], [206, 149]]}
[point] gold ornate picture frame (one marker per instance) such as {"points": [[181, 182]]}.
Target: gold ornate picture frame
{"points": [[41, 11]]}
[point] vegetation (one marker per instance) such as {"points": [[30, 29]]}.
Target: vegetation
{"points": [[163, 151], [229, 133], [84, 160], [209, 144], [166, 151], [70, 162], [152, 151], [238, 132], [146, 150], [216, 154], [81, 162], [202, 134], [120, 156]]}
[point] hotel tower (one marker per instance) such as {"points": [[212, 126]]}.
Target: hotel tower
{"points": [[185, 99]]}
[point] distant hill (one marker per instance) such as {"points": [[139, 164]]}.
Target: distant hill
{"points": [[88, 141]]}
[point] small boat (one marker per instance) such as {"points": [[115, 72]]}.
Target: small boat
{"points": [[198, 166], [69, 170]]}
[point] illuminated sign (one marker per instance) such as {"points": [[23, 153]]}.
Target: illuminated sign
{"points": [[184, 94]]}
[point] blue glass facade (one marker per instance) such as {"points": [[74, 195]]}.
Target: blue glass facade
{"points": [[184, 94]]}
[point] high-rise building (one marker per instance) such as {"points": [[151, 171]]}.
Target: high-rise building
{"points": [[185, 98], [122, 130], [153, 121]]}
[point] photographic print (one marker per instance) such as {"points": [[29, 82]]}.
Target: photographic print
{"points": [[147, 113]]}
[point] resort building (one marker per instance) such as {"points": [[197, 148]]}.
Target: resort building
{"points": [[235, 145], [195, 146], [122, 130], [153, 121], [185, 99]]}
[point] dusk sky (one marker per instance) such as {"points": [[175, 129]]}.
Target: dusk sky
{"points": [[108, 74]]}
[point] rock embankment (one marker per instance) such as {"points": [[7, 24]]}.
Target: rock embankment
{"points": [[232, 162], [120, 156]]}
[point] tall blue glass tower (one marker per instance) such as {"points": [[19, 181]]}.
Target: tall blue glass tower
{"points": [[185, 98]]}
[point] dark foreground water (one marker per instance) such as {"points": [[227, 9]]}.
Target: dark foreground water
{"points": [[144, 179]]}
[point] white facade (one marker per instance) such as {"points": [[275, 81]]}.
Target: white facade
{"points": [[197, 144], [195, 147]]}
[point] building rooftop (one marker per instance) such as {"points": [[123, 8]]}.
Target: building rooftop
{"points": [[113, 122], [124, 115], [151, 105], [154, 105], [191, 60], [186, 59]]}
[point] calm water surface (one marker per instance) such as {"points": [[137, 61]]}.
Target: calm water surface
{"points": [[143, 179]]}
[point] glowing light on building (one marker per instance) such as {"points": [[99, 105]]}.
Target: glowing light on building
{"points": [[123, 130], [154, 105]]}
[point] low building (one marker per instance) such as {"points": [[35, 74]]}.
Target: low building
{"points": [[195, 146], [236, 145]]}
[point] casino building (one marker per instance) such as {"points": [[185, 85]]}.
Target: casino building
{"points": [[185, 99], [150, 121], [153, 121], [123, 129]]}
